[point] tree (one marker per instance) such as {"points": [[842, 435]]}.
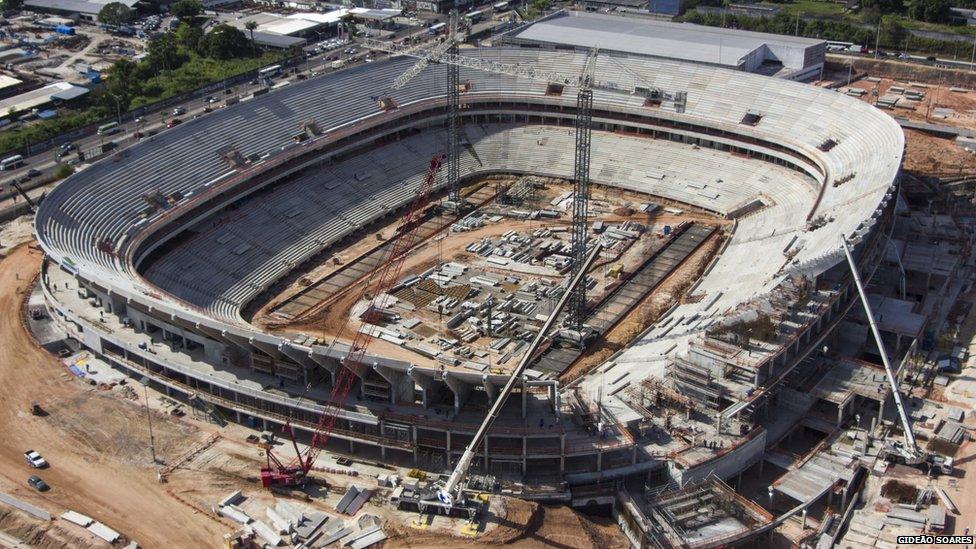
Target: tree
{"points": [[189, 36], [250, 26], [11, 5], [932, 11], [120, 86], [64, 170], [223, 42], [116, 13], [186, 10], [164, 53]]}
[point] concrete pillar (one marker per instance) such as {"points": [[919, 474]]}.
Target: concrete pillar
{"points": [[416, 449], [487, 469], [352, 447], [461, 390], [599, 461], [525, 397], [424, 381], [490, 388], [401, 385], [448, 445]]}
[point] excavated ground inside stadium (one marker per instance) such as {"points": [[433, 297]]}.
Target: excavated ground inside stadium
{"points": [[497, 252]]}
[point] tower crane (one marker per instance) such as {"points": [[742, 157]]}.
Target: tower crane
{"points": [[446, 52], [908, 452], [280, 473]]}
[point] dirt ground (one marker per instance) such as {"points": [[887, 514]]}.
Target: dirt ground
{"points": [[929, 155], [97, 445], [648, 310]]}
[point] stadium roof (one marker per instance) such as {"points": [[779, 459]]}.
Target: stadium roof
{"points": [[651, 37]]}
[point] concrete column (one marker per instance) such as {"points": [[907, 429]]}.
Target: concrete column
{"points": [[460, 389], [599, 461], [490, 388], [448, 445], [424, 381], [525, 398], [416, 450], [401, 385], [487, 469]]}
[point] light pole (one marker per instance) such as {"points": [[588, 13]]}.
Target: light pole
{"points": [[152, 440], [118, 107]]}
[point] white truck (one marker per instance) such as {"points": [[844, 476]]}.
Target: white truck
{"points": [[338, 64], [34, 459]]}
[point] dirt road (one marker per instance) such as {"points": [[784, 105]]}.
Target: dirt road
{"points": [[95, 443]]}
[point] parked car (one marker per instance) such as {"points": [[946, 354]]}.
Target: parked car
{"points": [[179, 110], [34, 459], [174, 122], [36, 483], [33, 172]]}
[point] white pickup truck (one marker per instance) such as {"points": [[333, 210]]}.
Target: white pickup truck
{"points": [[34, 459]]}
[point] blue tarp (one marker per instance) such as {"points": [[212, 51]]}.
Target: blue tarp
{"points": [[76, 371], [47, 115]]}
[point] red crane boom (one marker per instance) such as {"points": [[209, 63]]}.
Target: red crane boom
{"points": [[277, 473]]}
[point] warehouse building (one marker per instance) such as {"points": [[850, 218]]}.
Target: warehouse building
{"points": [[82, 9], [788, 57]]}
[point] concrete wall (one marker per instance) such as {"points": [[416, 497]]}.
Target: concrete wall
{"points": [[726, 466]]}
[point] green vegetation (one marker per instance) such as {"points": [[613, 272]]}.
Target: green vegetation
{"points": [[116, 13], [181, 61], [535, 9], [186, 9], [814, 8], [890, 32], [46, 129], [62, 171], [196, 72], [178, 62], [11, 4]]}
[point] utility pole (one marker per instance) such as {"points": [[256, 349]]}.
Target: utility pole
{"points": [[152, 439], [581, 189], [877, 39]]}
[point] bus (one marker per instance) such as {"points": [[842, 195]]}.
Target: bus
{"points": [[475, 16], [500, 6], [108, 129], [439, 28], [845, 46], [269, 72], [11, 163]]}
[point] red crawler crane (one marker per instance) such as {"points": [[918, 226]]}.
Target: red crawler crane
{"points": [[279, 473]]}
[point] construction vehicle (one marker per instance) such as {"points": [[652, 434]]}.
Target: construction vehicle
{"points": [[278, 473], [908, 451], [451, 493], [35, 408]]}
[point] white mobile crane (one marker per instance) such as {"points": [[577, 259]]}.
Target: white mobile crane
{"points": [[907, 452], [451, 494]]}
